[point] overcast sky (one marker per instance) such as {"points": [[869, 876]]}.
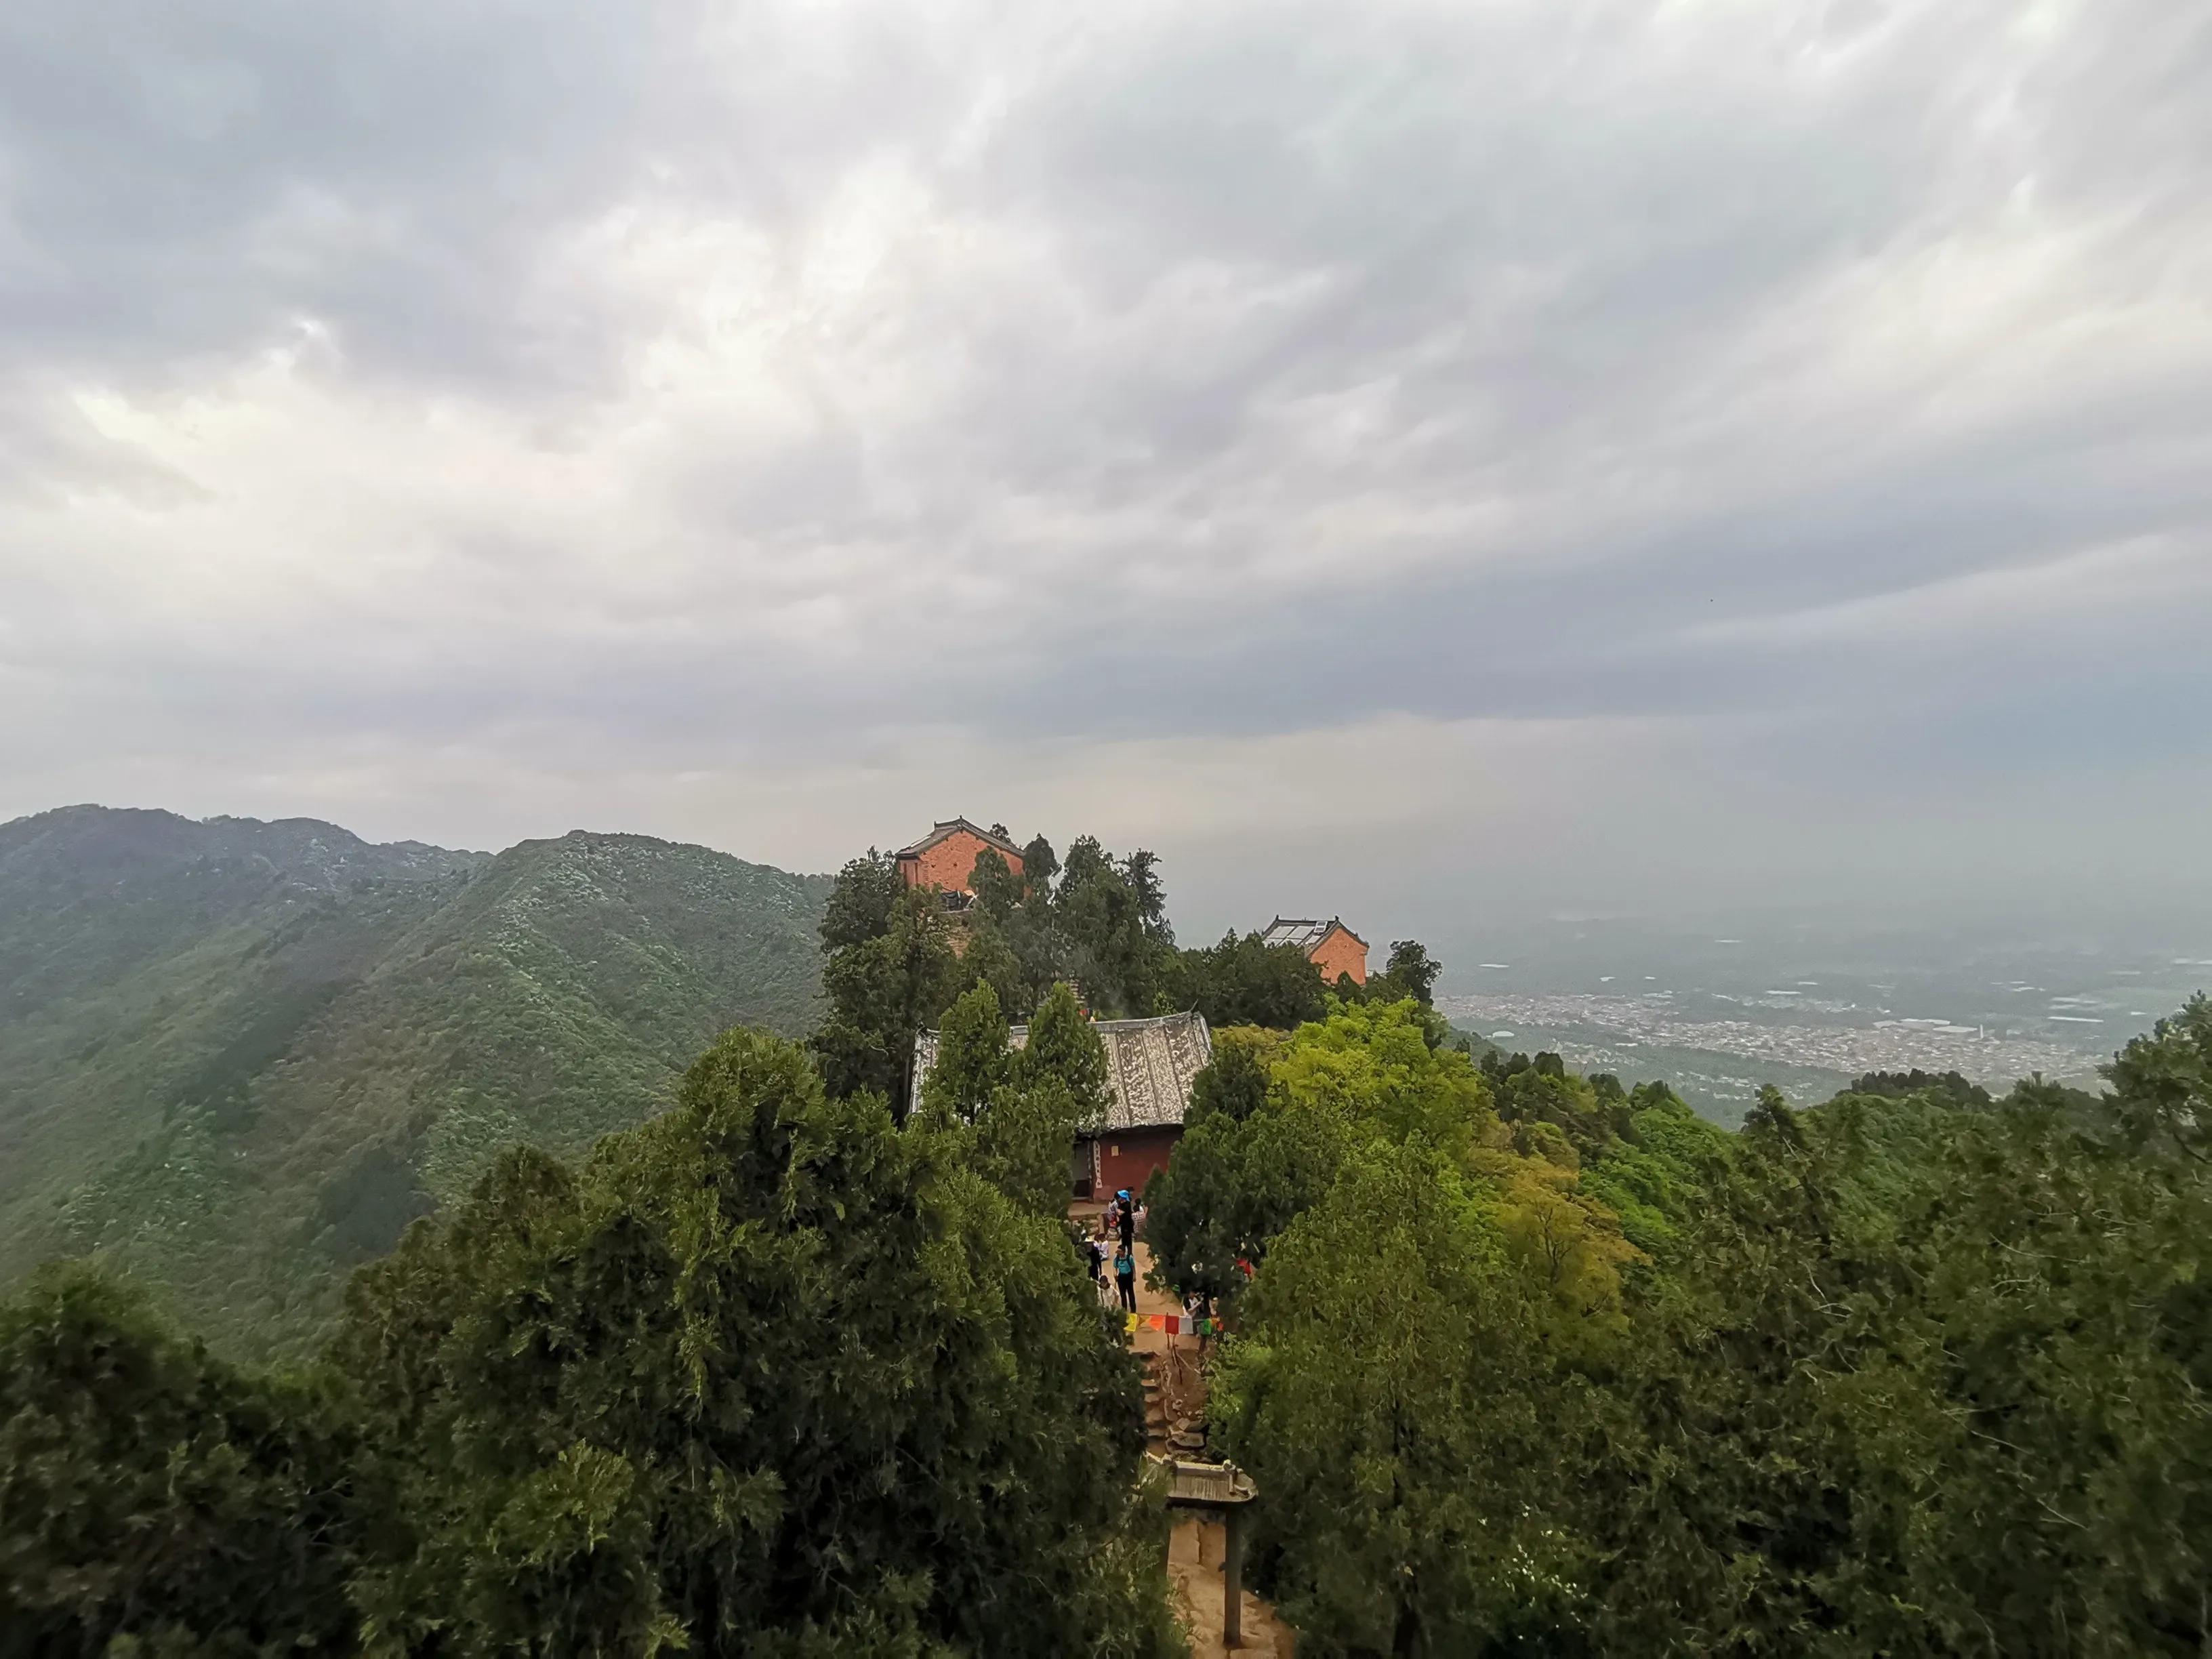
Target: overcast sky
{"points": [[1407, 459]]}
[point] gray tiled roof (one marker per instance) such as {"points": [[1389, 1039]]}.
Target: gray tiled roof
{"points": [[1305, 934], [1149, 1065]]}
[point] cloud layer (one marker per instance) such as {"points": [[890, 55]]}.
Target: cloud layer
{"points": [[1645, 452]]}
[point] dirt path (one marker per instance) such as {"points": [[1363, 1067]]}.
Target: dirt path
{"points": [[1194, 1573], [1194, 1547]]}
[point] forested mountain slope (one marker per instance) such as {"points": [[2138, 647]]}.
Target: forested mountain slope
{"points": [[239, 1057]]}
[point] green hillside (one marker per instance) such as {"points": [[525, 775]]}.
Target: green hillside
{"points": [[237, 1058]]}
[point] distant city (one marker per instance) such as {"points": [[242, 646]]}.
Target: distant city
{"points": [[1938, 1045], [1718, 1014]]}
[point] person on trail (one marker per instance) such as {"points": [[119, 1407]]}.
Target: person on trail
{"points": [[1094, 1253], [1197, 1311], [1126, 1221], [1125, 1280]]}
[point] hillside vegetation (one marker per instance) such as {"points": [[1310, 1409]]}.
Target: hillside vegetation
{"points": [[763, 1376], [236, 1058], [1520, 1362]]}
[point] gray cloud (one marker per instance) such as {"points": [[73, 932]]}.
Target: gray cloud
{"points": [[468, 419]]}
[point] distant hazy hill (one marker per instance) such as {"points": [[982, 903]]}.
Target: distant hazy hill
{"points": [[239, 1057]]}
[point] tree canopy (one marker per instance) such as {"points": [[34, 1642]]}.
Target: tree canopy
{"points": [[1522, 1361], [764, 1374], [153, 1498], [883, 989], [1095, 920], [1537, 1364], [1242, 982]]}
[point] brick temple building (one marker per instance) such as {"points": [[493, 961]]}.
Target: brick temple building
{"points": [[1330, 946], [1150, 1067], [946, 857]]}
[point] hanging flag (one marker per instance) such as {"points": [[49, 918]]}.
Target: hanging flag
{"points": [[1173, 1324]]}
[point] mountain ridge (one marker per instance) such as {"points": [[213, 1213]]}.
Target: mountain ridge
{"points": [[238, 1055]]}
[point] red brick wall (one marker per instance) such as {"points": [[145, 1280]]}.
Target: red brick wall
{"points": [[1340, 955], [951, 862], [1127, 1158]]}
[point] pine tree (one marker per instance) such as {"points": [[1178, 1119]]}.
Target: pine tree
{"points": [[764, 1374], [1063, 1047]]}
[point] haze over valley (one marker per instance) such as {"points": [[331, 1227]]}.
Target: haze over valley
{"points": [[1809, 1004]]}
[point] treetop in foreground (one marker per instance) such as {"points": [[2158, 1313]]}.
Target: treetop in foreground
{"points": [[1917, 1371], [765, 1375]]}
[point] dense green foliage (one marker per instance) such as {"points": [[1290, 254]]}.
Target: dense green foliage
{"points": [[1973, 1422], [1917, 1372], [1015, 1112], [1523, 1362], [1897, 1085], [763, 1376], [1091, 920], [1110, 916], [150, 1493], [1409, 972], [1242, 982], [237, 1058], [894, 961], [2162, 1088], [1094, 922], [884, 988], [974, 1059], [1063, 1047], [1256, 1157]]}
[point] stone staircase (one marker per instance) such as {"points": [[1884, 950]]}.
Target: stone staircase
{"points": [[1174, 1431], [1169, 1432], [1157, 1428]]}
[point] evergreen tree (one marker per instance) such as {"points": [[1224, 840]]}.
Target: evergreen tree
{"points": [[1952, 1085], [988, 958], [1063, 1047], [1242, 982], [1971, 1422], [883, 992], [860, 901], [973, 1058], [1141, 871], [1104, 935], [1410, 971], [1039, 865], [154, 1499], [1234, 1083], [998, 891], [1396, 1399], [1022, 1144], [2162, 1085], [763, 1376]]}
